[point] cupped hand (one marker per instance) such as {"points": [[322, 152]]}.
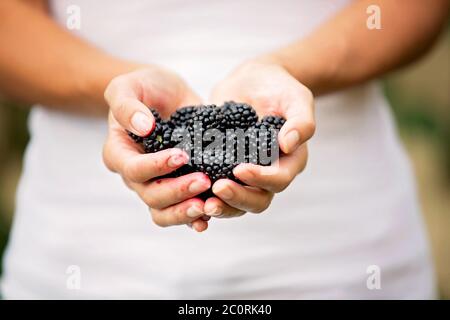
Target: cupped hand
{"points": [[172, 201], [271, 90]]}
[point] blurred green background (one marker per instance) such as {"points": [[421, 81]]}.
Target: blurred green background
{"points": [[420, 97]]}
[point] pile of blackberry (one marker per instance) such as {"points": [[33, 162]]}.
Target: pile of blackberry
{"points": [[216, 138]]}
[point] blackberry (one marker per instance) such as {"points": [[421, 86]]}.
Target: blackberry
{"points": [[159, 139], [268, 129], [139, 139], [181, 138], [135, 137], [156, 115], [273, 122], [208, 117], [251, 145], [215, 166], [183, 117], [239, 115], [219, 162], [215, 171], [187, 129]]}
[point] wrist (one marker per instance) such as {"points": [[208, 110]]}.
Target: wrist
{"points": [[272, 59], [313, 63], [256, 65], [276, 58]]}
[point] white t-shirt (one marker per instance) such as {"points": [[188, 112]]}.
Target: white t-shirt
{"points": [[351, 213]]}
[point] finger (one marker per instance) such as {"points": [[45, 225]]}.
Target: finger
{"points": [[199, 225], [118, 147], [300, 124], [168, 191], [121, 155], [273, 178], [143, 167], [182, 213], [126, 108], [241, 197], [214, 207]]}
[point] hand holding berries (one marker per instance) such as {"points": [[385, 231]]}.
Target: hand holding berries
{"points": [[232, 147], [272, 91], [171, 200]]}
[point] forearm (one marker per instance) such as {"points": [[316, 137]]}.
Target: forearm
{"points": [[40, 62], [344, 52]]}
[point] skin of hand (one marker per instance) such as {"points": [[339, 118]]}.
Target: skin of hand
{"points": [[271, 90], [172, 200]]}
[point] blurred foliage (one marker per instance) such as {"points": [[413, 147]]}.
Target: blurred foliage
{"points": [[420, 100], [413, 118], [13, 140]]}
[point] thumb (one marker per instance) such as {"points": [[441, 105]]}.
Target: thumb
{"points": [[130, 113], [299, 126]]}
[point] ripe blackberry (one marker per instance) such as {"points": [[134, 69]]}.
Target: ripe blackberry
{"points": [[135, 137], [159, 139], [215, 171], [156, 115], [208, 117], [215, 166], [183, 117], [251, 145], [268, 129], [181, 138], [239, 115], [274, 122], [139, 139], [187, 129]]}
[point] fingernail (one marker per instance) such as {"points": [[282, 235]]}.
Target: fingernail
{"points": [[195, 228], [141, 123], [292, 139], [214, 212], [194, 212], [196, 187], [176, 161], [225, 193], [243, 172]]}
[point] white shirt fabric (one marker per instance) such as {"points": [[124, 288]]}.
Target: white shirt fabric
{"points": [[352, 208]]}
